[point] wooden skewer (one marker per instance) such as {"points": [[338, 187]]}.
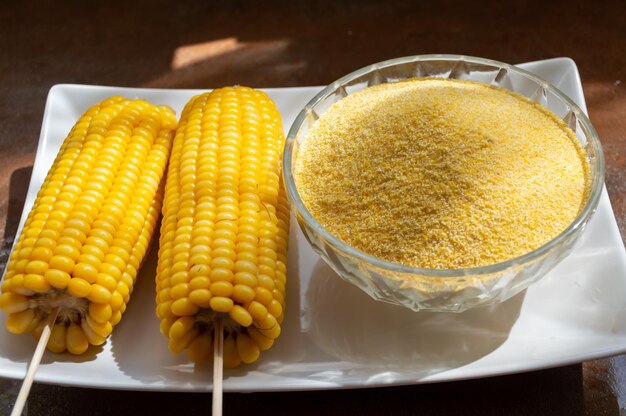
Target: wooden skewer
{"points": [[218, 367], [20, 401]]}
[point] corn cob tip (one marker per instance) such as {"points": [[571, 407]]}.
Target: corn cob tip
{"points": [[223, 244], [90, 225]]}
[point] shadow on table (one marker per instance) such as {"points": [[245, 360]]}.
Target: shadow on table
{"points": [[18, 188], [383, 339]]}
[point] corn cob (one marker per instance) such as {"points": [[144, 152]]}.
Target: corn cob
{"points": [[223, 244], [90, 225]]}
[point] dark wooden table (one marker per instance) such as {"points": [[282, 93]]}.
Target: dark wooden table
{"points": [[281, 44]]}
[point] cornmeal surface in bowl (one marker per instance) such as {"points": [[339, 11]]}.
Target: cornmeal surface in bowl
{"points": [[441, 174]]}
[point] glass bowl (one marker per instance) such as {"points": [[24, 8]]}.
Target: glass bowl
{"points": [[453, 290]]}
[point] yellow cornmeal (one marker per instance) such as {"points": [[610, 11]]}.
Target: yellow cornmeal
{"points": [[441, 173]]}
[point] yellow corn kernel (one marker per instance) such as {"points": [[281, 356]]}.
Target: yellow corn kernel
{"points": [[91, 335], [21, 322], [100, 312], [86, 271], [225, 226], [76, 341], [279, 296], [99, 294], [257, 310], [58, 278], [240, 315], [263, 296], [248, 349], [231, 354], [177, 345], [221, 274], [108, 280], [269, 327], [243, 294], [56, 343], [200, 282], [78, 287], [90, 224], [184, 307], [201, 348], [221, 288], [116, 300], [13, 303], [102, 330], [201, 297], [166, 324], [263, 342], [221, 304], [275, 308], [36, 266], [246, 279], [163, 309], [36, 283], [116, 317], [180, 290], [181, 327]]}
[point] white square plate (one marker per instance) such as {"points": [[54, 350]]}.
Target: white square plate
{"points": [[334, 335]]}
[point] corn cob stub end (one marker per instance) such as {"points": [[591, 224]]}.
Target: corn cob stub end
{"points": [[223, 244], [90, 226]]}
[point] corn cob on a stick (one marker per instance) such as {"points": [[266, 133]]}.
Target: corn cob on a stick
{"points": [[224, 232], [90, 226]]}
